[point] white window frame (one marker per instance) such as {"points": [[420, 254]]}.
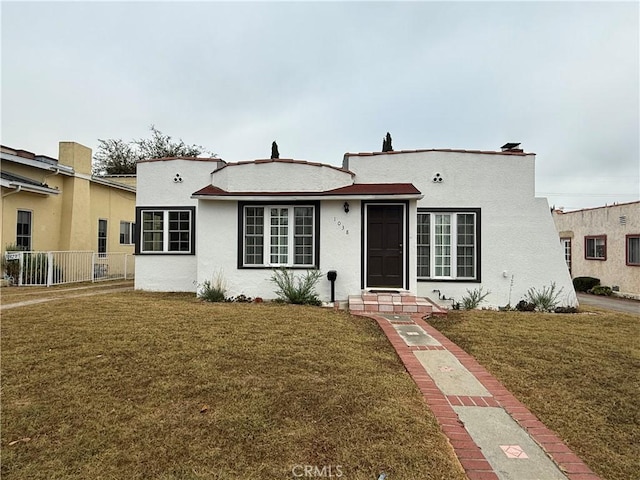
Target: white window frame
{"points": [[566, 247], [290, 236], [166, 231], [453, 245], [128, 234]]}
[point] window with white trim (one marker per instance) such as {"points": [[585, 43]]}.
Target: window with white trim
{"points": [[24, 229], [166, 230], [595, 247], [126, 232], [447, 244], [279, 235]]}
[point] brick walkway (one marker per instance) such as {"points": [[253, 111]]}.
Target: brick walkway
{"points": [[449, 407]]}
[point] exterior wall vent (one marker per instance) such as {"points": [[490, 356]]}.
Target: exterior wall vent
{"points": [[623, 220]]}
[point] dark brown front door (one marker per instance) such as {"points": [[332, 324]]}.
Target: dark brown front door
{"points": [[385, 251]]}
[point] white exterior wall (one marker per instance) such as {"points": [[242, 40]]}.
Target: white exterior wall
{"points": [[217, 251], [603, 221], [519, 242], [279, 176], [518, 236], [156, 188]]}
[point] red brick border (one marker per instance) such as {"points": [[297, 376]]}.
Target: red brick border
{"points": [[470, 455]]}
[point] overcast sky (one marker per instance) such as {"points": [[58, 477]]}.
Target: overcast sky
{"points": [[326, 78]]}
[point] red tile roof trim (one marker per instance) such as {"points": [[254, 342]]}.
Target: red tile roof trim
{"points": [[284, 160], [194, 159], [488, 152], [355, 189]]}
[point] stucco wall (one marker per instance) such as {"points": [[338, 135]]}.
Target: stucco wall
{"points": [[46, 209], [115, 206], [519, 245], [169, 183], [603, 221], [279, 176], [517, 232], [217, 250]]}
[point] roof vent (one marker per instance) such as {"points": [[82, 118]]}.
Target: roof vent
{"points": [[511, 147]]}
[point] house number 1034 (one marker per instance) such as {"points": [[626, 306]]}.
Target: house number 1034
{"points": [[340, 225]]}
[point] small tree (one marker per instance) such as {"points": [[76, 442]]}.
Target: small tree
{"points": [[115, 156], [386, 143], [274, 150]]}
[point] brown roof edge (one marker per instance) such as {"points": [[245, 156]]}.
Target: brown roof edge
{"points": [[353, 189], [448, 150]]}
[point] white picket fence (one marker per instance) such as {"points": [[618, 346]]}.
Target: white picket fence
{"points": [[55, 268]]}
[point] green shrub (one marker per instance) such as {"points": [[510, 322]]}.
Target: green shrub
{"points": [[584, 284], [301, 290], [544, 300], [213, 291], [601, 290], [474, 298]]}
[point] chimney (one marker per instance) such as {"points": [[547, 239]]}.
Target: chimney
{"points": [[76, 156], [511, 147]]}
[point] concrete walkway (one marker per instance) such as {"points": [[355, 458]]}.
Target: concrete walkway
{"points": [[63, 294], [492, 433], [616, 304]]}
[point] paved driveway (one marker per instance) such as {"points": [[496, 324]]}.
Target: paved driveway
{"points": [[610, 303]]}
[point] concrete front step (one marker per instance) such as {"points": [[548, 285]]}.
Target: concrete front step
{"points": [[384, 302]]}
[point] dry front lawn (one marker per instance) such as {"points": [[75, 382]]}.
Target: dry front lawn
{"points": [[580, 374], [134, 385]]}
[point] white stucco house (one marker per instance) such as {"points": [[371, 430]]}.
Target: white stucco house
{"points": [[434, 223]]}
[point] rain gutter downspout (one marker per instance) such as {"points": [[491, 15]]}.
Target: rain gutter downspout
{"points": [[17, 190]]}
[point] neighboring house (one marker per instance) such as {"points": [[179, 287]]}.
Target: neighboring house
{"points": [[431, 222], [53, 204], [604, 243]]}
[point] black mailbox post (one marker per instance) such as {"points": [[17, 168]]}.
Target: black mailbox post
{"points": [[331, 276]]}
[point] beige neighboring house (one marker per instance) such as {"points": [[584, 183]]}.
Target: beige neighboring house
{"points": [[53, 204], [604, 243]]}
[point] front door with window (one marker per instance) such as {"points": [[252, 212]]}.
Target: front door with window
{"points": [[385, 246]]}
